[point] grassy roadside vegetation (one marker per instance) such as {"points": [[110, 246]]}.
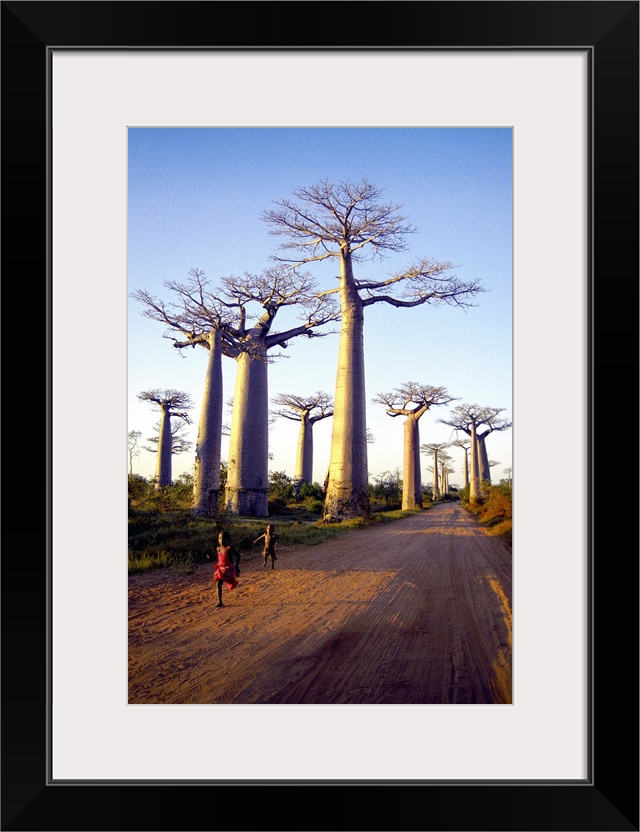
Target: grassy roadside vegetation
{"points": [[493, 510], [164, 534]]}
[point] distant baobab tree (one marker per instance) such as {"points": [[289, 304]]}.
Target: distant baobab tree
{"points": [[347, 222], [508, 471], [412, 400], [468, 418], [445, 469], [274, 289], [172, 404], [460, 443], [442, 474], [307, 410], [435, 448]]}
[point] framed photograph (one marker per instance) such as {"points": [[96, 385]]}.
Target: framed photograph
{"points": [[563, 78]]}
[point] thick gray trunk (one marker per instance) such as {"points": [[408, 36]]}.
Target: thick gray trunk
{"points": [[248, 471], [434, 484], [163, 462], [206, 478], [304, 457], [466, 467], [348, 488], [483, 460], [412, 484], [473, 481]]}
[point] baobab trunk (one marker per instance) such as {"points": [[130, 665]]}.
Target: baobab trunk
{"points": [[412, 483], [348, 487], [206, 478], [444, 487], [434, 485], [484, 471], [248, 469], [163, 461], [473, 480], [304, 457]]}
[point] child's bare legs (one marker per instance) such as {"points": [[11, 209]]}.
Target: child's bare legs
{"points": [[219, 591]]}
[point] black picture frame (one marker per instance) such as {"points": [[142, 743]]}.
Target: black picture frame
{"points": [[608, 798]]}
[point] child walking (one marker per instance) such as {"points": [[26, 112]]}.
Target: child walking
{"points": [[270, 545], [227, 568]]}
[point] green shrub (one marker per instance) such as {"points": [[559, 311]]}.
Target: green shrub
{"points": [[280, 486], [310, 491], [493, 508]]}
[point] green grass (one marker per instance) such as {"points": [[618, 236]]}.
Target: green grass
{"points": [[174, 539]]}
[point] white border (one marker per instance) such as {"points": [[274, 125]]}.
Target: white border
{"points": [[96, 735]]}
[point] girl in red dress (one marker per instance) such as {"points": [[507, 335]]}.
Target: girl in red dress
{"points": [[227, 568]]}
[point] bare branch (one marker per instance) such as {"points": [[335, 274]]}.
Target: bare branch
{"points": [[315, 407], [413, 399], [171, 399], [328, 217]]}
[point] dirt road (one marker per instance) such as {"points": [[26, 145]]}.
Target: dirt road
{"points": [[415, 611]]}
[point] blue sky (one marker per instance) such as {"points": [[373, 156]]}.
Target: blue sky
{"points": [[195, 199]]}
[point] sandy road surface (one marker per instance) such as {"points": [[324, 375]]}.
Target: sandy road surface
{"points": [[415, 611]]}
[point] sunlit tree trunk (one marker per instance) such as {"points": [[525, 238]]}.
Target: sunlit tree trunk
{"points": [[163, 460], [444, 480], [248, 468], [466, 466], [473, 481], [434, 485], [484, 471], [412, 484], [348, 489], [206, 478], [304, 456]]}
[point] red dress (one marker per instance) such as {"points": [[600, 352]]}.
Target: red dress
{"points": [[225, 569]]}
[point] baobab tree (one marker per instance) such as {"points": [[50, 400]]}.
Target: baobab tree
{"points": [[347, 222], [460, 443], [434, 448], [274, 289], [412, 400], [199, 316], [468, 418], [172, 404], [445, 460], [307, 410]]}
